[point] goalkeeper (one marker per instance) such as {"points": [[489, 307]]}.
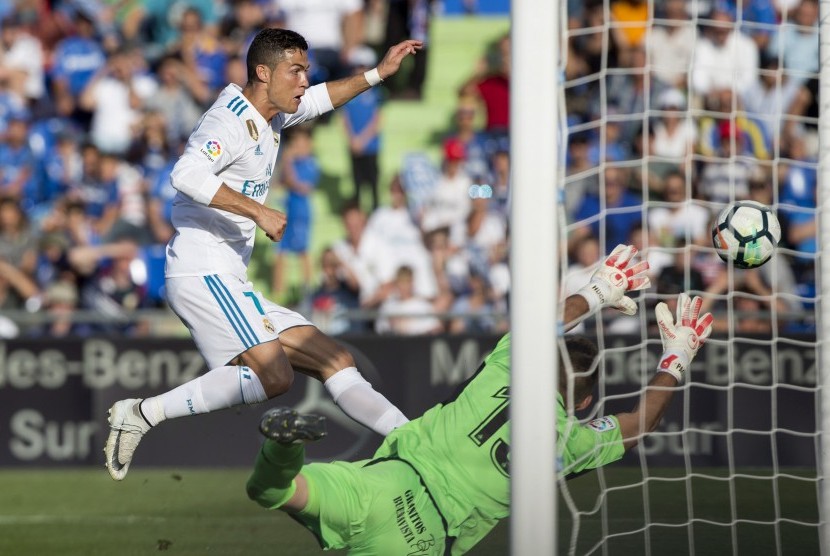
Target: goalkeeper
{"points": [[440, 483]]}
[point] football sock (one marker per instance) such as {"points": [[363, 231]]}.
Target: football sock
{"points": [[361, 402], [272, 482], [219, 388]]}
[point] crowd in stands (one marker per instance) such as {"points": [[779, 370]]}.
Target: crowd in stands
{"points": [[692, 106], [671, 114]]}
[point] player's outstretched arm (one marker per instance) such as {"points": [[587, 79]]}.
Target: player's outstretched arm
{"points": [[618, 274], [681, 341], [344, 90]]}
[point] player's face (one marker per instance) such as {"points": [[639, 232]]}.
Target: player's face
{"points": [[288, 82]]}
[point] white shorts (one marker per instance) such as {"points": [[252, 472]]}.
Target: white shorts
{"points": [[226, 316]]}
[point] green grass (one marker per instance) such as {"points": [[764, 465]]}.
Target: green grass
{"points": [[194, 512]]}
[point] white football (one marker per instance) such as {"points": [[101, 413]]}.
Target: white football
{"points": [[746, 233]]}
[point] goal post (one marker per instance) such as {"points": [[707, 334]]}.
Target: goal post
{"points": [[824, 244], [534, 261]]}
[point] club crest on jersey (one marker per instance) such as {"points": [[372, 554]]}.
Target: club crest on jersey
{"points": [[269, 326], [276, 139], [603, 424], [252, 130], [212, 150]]}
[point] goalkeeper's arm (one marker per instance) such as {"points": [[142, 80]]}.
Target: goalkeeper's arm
{"points": [[618, 274], [681, 341]]}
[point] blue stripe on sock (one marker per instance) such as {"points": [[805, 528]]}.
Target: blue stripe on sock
{"points": [[238, 310], [214, 289]]}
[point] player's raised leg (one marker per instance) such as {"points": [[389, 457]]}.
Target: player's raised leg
{"points": [[313, 353]]}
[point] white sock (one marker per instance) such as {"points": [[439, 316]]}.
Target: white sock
{"points": [[361, 402], [219, 388]]}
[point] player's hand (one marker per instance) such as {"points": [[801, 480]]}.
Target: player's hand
{"points": [[616, 276], [272, 222], [683, 338], [391, 63]]}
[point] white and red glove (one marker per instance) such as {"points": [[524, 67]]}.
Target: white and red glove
{"points": [[616, 276], [681, 340]]}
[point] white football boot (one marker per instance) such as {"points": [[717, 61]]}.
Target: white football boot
{"points": [[127, 426]]}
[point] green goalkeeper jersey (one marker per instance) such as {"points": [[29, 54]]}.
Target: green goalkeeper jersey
{"points": [[473, 432]]}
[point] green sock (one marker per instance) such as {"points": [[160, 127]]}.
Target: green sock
{"points": [[272, 482]]}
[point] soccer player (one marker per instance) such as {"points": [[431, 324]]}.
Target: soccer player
{"points": [[251, 345], [442, 481]]}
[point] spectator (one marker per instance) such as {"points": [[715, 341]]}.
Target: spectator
{"points": [[724, 58], [477, 147], [409, 19], [774, 97], [360, 253], [758, 18], [115, 173], [76, 60], [615, 227], [115, 97], [17, 163], [62, 168], [629, 22], [500, 184], [448, 203], [241, 24], [23, 60], [492, 86], [361, 116], [714, 131], [404, 313], [581, 170], [333, 28], [680, 220], [300, 175], [796, 43], [337, 294], [392, 227], [60, 303], [680, 275], [726, 177], [18, 243], [475, 312], [673, 135], [160, 205], [481, 232], [202, 55], [179, 98], [798, 198], [670, 43]]}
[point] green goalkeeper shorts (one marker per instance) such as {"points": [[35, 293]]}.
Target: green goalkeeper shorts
{"points": [[373, 508]]}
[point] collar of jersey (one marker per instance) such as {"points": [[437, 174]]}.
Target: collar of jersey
{"points": [[235, 90]]}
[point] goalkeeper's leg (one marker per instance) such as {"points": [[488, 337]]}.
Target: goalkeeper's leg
{"points": [[273, 483]]}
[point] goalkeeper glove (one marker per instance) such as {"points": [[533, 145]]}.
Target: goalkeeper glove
{"points": [[616, 276], [681, 340]]}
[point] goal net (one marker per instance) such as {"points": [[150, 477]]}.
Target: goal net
{"points": [[674, 110]]}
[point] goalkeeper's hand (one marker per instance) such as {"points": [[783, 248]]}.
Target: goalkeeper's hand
{"points": [[617, 275], [682, 339]]}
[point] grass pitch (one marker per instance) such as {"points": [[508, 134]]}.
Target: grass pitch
{"points": [[197, 512]]}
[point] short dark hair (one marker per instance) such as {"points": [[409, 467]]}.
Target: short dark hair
{"points": [[269, 47], [580, 360]]}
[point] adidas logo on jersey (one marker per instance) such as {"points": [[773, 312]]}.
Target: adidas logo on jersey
{"points": [[258, 151]]}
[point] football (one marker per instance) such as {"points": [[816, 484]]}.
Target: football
{"points": [[746, 233]]}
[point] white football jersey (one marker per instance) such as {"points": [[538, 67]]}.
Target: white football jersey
{"points": [[234, 145]]}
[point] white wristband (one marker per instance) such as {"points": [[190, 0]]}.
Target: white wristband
{"points": [[373, 77]]}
